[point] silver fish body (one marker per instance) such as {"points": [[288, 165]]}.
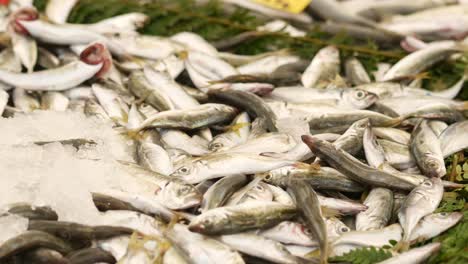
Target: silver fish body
{"points": [[379, 204]]}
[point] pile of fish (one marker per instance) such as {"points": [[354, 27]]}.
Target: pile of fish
{"points": [[242, 159]]}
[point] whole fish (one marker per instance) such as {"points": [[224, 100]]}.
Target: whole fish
{"points": [[340, 206], [242, 217], [251, 103], [345, 98], [94, 61], [359, 239], [320, 178], [323, 69], [415, 255], [309, 207], [145, 46], [392, 134], [91, 255], [355, 72], [32, 239], [200, 249], [201, 116], [140, 86], [419, 61], [397, 155], [219, 192], [44, 256], [427, 151], [218, 165], [155, 158], [137, 202], [176, 139], [172, 193], [379, 204], [33, 212], [353, 168], [452, 139], [421, 201], [434, 224], [237, 133], [259, 246]]}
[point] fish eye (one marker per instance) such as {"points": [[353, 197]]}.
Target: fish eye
{"points": [[259, 187], [268, 177], [443, 214], [344, 229], [360, 94], [216, 145], [183, 170], [307, 231], [427, 183]]}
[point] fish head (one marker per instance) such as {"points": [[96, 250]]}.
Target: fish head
{"points": [[190, 170], [209, 221], [445, 219], [97, 53], [434, 166], [218, 143], [358, 98], [335, 228], [318, 146], [178, 195], [22, 14], [431, 187]]}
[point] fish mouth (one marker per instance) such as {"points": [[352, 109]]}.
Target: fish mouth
{"points": [[24, 14], [199, 228]]}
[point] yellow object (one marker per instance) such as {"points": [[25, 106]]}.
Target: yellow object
{"points": [[291, 6]]}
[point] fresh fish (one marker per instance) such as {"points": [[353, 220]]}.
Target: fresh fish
{"points": [[355, 72], [259, 246], [33, 212], [44, 255], [77, 232], [32, 239], [379, 204], [345, 98], [145, 46], [220, 192], [194, 42], [112, 103], [419, 61], [94, 62], [415, 255], [105, 203], [359, 239], [172, 193], [421, 201], [140, 202], [251, 103], [268, 142], [308, 204], [57, 11], [176, 139], [340, 206], [288, 232], [434, 224], [140, 86], [200, 249], [91, 255], [397, 155], [201, 116], [427, 151], [236, 134], [266, 65], [392, 134], [452, 139], [323, 69], [155, 158], [320, 178], [260, 192], [204, 69], [242, 217], [353, 168], [218, 165]]}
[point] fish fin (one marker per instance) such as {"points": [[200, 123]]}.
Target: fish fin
{"points": [[395, 121], [327, 212], [237, 127], [132, 134], [402, 246], [183, 55], [462, 107]]}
